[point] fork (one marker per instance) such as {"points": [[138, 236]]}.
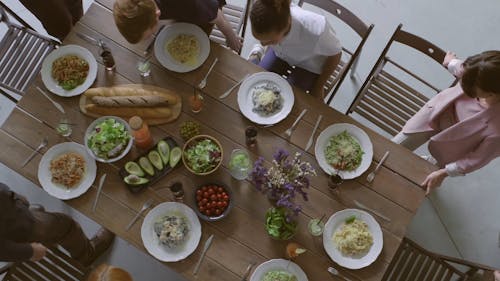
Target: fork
{"points": [[288, 132], [311, 139], [371, 176], [337, 273], [145, 206], [230, 90], [43, 144], [203, 82]]}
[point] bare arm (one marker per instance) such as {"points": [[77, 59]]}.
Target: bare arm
{"points": [[328, 68], [233, 40]]}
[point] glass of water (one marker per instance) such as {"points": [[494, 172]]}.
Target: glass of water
{"points": [[64, 127], [144, 67], [239, 164]]}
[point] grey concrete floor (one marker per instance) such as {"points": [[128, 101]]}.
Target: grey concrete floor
{"points": [[460, 218]]}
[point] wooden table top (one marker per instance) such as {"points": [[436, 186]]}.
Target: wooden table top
{"points": [[240, 238]]}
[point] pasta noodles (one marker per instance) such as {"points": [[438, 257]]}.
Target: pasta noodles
{"points": [[184, 48], [353, 238], [70, 71], [67, 169]]}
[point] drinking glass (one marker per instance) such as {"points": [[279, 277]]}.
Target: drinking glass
{"points": [[64, 127], [239, 164]]}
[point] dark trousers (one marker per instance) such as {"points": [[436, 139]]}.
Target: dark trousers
{"points": [[56, 16], [57, 228]]}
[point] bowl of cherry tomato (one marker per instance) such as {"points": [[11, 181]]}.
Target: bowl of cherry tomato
{"points": [[213, 201]]}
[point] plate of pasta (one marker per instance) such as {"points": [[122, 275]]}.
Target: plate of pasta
{"points": [[353, 238], [69, 70], [182, 47], [265, 98], [66, 170]]}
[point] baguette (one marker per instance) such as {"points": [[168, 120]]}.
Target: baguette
{"points": [[129, 91], [144, 112], [130, 101]]}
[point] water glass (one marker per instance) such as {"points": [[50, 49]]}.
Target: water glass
{"points": [[64, 127], [239, 164], [144, 67]]}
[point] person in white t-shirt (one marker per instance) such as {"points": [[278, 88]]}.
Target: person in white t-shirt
{"points": [[299, 41]]}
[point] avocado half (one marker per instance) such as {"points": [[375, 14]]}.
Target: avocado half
{"points": [[134, 169], [155, 159], [164, 151], [146, 166], [135, 180]]}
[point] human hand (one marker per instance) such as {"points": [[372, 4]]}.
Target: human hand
{"points": [[235, 43], [39, 251], [449, 56], [434, 180]]}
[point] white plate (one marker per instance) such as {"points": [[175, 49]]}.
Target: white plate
{"points": [[52, 84], [60, 191], [245, 94], [278, 264], [169, 33], [335, 222], [151, 241], [358, 134]]}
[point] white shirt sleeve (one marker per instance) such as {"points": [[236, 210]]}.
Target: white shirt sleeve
{"points": [[455, 67], [453, 170], [328, 43]]}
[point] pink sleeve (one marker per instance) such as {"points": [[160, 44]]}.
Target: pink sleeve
{"points": [[455, 67], [487, 150]]}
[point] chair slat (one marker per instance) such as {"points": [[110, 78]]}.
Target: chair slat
{"points": [[366, 114], [399, 110], [400, 95], [411, 93]]}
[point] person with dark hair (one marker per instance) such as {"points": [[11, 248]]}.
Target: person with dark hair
{"points": [[105, 272], [299, 41], [25, 231], [138, 19], [56, 16], [462, 123]]}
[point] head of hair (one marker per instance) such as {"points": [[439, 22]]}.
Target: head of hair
{"points": [[134, 17], [482, 71], [106, 272], [270, 16]]}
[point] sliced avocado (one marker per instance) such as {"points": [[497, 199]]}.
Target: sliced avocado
{"points": [[164, 150], [135, 180], [146, 166], [175, 156], [155, 159], [134, 169]]}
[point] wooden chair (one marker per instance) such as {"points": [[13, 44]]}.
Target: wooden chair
{"points": [[412, 262], [56, 265], [358, 26], [384, 99], [237, 18], [22, 51]]}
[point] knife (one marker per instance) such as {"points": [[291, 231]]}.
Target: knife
{"points": [[247, 271], [57, 105], [89, 39], [99, 188], [152, 43], [205, 249], [311, 139]]}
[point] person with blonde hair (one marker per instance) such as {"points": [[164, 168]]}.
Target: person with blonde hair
{"points": [[138, 19], [105, 272]]}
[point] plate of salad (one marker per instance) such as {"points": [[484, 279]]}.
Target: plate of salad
{"points": [[202, 154], [345, 149], [108, 139], [278, 270]]}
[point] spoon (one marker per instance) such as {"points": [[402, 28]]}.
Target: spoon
{"points": [[43, 144], [336, 273], [145, 206]]}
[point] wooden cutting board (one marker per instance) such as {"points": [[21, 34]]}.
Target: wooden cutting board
{"points": [[176, 108]]}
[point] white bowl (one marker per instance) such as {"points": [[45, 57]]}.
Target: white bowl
{"points": [[124, 151]]}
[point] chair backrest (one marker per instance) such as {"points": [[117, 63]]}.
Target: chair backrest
{"points": [[56, 265], [412, 262], [387, 101], [358, 26], [22, 51], [237, 17]]}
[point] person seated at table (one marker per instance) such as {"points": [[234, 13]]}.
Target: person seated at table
{"points": [[138, 19], [105, 272], [25, 231], [298, 38], [56, 16], [461, 122]]}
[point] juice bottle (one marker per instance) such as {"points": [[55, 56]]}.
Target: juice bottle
{"points": [[140, 131]]}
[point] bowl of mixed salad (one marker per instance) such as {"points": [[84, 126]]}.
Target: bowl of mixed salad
{"points": [[108, 139], [202, 155]]}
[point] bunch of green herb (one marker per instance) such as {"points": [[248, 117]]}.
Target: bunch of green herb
{"points": [[278, 226]]}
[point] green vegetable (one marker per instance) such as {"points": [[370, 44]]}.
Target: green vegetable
{"points": [[175, 156], [135, 180], [277, 226], [108, 139], [164, 150], [350, 219], [279, 275], [203, 156], [134, 169], [343, 152], [189, 129], [155, 159], [146, 166]]}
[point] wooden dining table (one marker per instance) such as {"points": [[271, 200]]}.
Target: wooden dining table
{"points": [[240, 238]]}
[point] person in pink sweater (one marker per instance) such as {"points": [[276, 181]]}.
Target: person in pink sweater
{"points": [[461, 123]]}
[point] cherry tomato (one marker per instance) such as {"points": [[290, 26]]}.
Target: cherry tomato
{"points": [[204, 188], [224, 204], [213, 197], [220, 204], [204, 201], [220, 189], [218, 212], [199, 192], [198, 197], [208, 212], [205, 194], [202, 209], [225, 198], [219, 196]]}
